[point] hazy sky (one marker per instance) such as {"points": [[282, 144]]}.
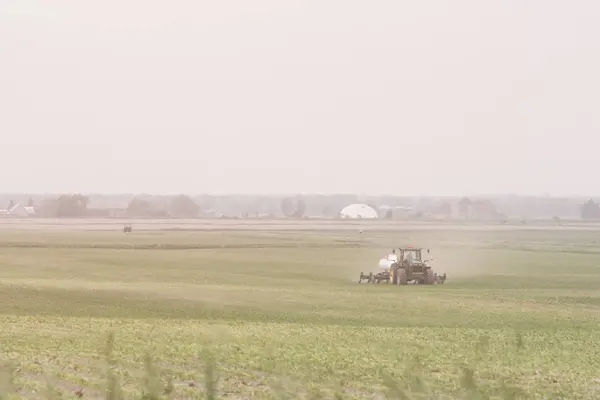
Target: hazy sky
{"points": [[399, 97]]}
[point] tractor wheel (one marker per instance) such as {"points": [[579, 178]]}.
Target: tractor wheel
{"points": [[429, 277], [402, 276]]}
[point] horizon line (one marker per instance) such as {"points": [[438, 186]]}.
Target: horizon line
{"points": [[292, 194]]}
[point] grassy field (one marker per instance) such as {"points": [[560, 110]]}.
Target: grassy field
{"points": [[279, 314]]}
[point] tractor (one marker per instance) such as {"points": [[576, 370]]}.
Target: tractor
{"points": [[411, 267], [404, 267]]}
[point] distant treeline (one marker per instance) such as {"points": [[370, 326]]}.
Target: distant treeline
{"points": [[303, 206]]}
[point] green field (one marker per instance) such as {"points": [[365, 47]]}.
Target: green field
{"points": [[282, 315]]}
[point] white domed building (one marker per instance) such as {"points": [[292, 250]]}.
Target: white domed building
{"points": [[358, 211]]}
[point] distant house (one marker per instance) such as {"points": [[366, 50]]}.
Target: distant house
{"points": [[18, 211], [30, 210]]}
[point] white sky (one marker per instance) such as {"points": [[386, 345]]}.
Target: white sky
{"points": [[264, 96]]}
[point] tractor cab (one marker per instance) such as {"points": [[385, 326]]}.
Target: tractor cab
{"points": [[410, 255]]}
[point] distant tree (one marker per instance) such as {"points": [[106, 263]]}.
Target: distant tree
{"points": [[140, 208], [183, 206], [72, 206], [287, 206], [301, 208], [293, 207], [260, 205], [464, 207], [590, 210]]}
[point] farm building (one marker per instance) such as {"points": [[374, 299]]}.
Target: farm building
{"points": [[389, 212], [359, 211], [18, 211]]}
